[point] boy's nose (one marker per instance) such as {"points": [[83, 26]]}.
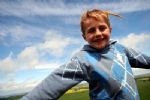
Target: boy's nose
{"points": [[98, 33]]}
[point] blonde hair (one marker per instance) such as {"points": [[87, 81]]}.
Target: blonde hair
{"points": [[96, 14]]}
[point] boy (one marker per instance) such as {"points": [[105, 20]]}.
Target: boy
{"points": [[104, 64]]}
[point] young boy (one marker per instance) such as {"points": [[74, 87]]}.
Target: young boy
{"points": [[104, 64]]}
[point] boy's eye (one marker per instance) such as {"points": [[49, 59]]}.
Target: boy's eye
{"points": [[102, 28], [91, 30]]}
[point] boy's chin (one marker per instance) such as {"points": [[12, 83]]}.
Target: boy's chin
{"points": [[99, 46]]}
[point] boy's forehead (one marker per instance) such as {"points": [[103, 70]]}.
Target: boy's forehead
{"points": [[91, 20]]}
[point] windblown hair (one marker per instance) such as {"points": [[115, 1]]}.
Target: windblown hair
{"points": [[98, 15]]}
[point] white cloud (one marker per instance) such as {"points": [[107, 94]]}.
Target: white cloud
{"points": [[2, 34], [7, 64], [29, 57], [20, 34], [29, 8], [51, 66], [139, 71], [71, 20], [56, 43], [33, 56], [13, 87], [126, 6], [32, 7], [137, 41]]}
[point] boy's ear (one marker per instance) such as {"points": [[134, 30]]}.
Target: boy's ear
{"points": [[110, 29], [83, 36]]}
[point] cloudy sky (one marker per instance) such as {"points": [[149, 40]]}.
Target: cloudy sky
{"points": [[36, 36]]}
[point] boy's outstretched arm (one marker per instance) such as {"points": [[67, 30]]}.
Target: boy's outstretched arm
{"points": [[137, 59], [58, 82]]}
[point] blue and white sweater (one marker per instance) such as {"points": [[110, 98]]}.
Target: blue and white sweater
{"points": [[108, 72]]}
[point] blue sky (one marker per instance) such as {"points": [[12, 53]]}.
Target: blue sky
{"points": [[36, 36]]}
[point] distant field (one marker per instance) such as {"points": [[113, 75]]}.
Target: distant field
{"points": [[81, 92], [11, 98], [76, 96], [144, 89]]}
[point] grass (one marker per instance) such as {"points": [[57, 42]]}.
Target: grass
{"points": [[11, 98], [76, 96], [144, 89]]}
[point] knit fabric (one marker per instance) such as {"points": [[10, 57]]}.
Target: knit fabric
{"points": [[108, 72]]}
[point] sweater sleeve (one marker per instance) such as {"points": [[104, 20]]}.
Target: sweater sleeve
{"points": [[137, 59], [58, 82]]}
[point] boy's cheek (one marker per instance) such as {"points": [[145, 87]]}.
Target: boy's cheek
{"points": [[89, 36]]}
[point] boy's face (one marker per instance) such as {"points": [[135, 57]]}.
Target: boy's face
{"points": [[97, 33]]}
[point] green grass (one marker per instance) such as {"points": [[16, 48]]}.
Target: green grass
{"points": [[76, 96], [11, 98], [144, 89]]}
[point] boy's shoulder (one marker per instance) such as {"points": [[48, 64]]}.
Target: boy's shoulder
{"points": [[118, 45]]}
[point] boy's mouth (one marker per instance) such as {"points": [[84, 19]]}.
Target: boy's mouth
{"points": [[98, 40]]}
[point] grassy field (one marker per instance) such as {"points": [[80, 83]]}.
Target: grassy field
{"points": [[144, 89], [11, 98], [76, 96], [79, 92]]}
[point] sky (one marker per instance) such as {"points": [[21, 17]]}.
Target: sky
{"points": [[37, 36]]}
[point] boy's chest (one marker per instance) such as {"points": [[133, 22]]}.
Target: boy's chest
{"points": [[109, 72], [111, 65]]}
